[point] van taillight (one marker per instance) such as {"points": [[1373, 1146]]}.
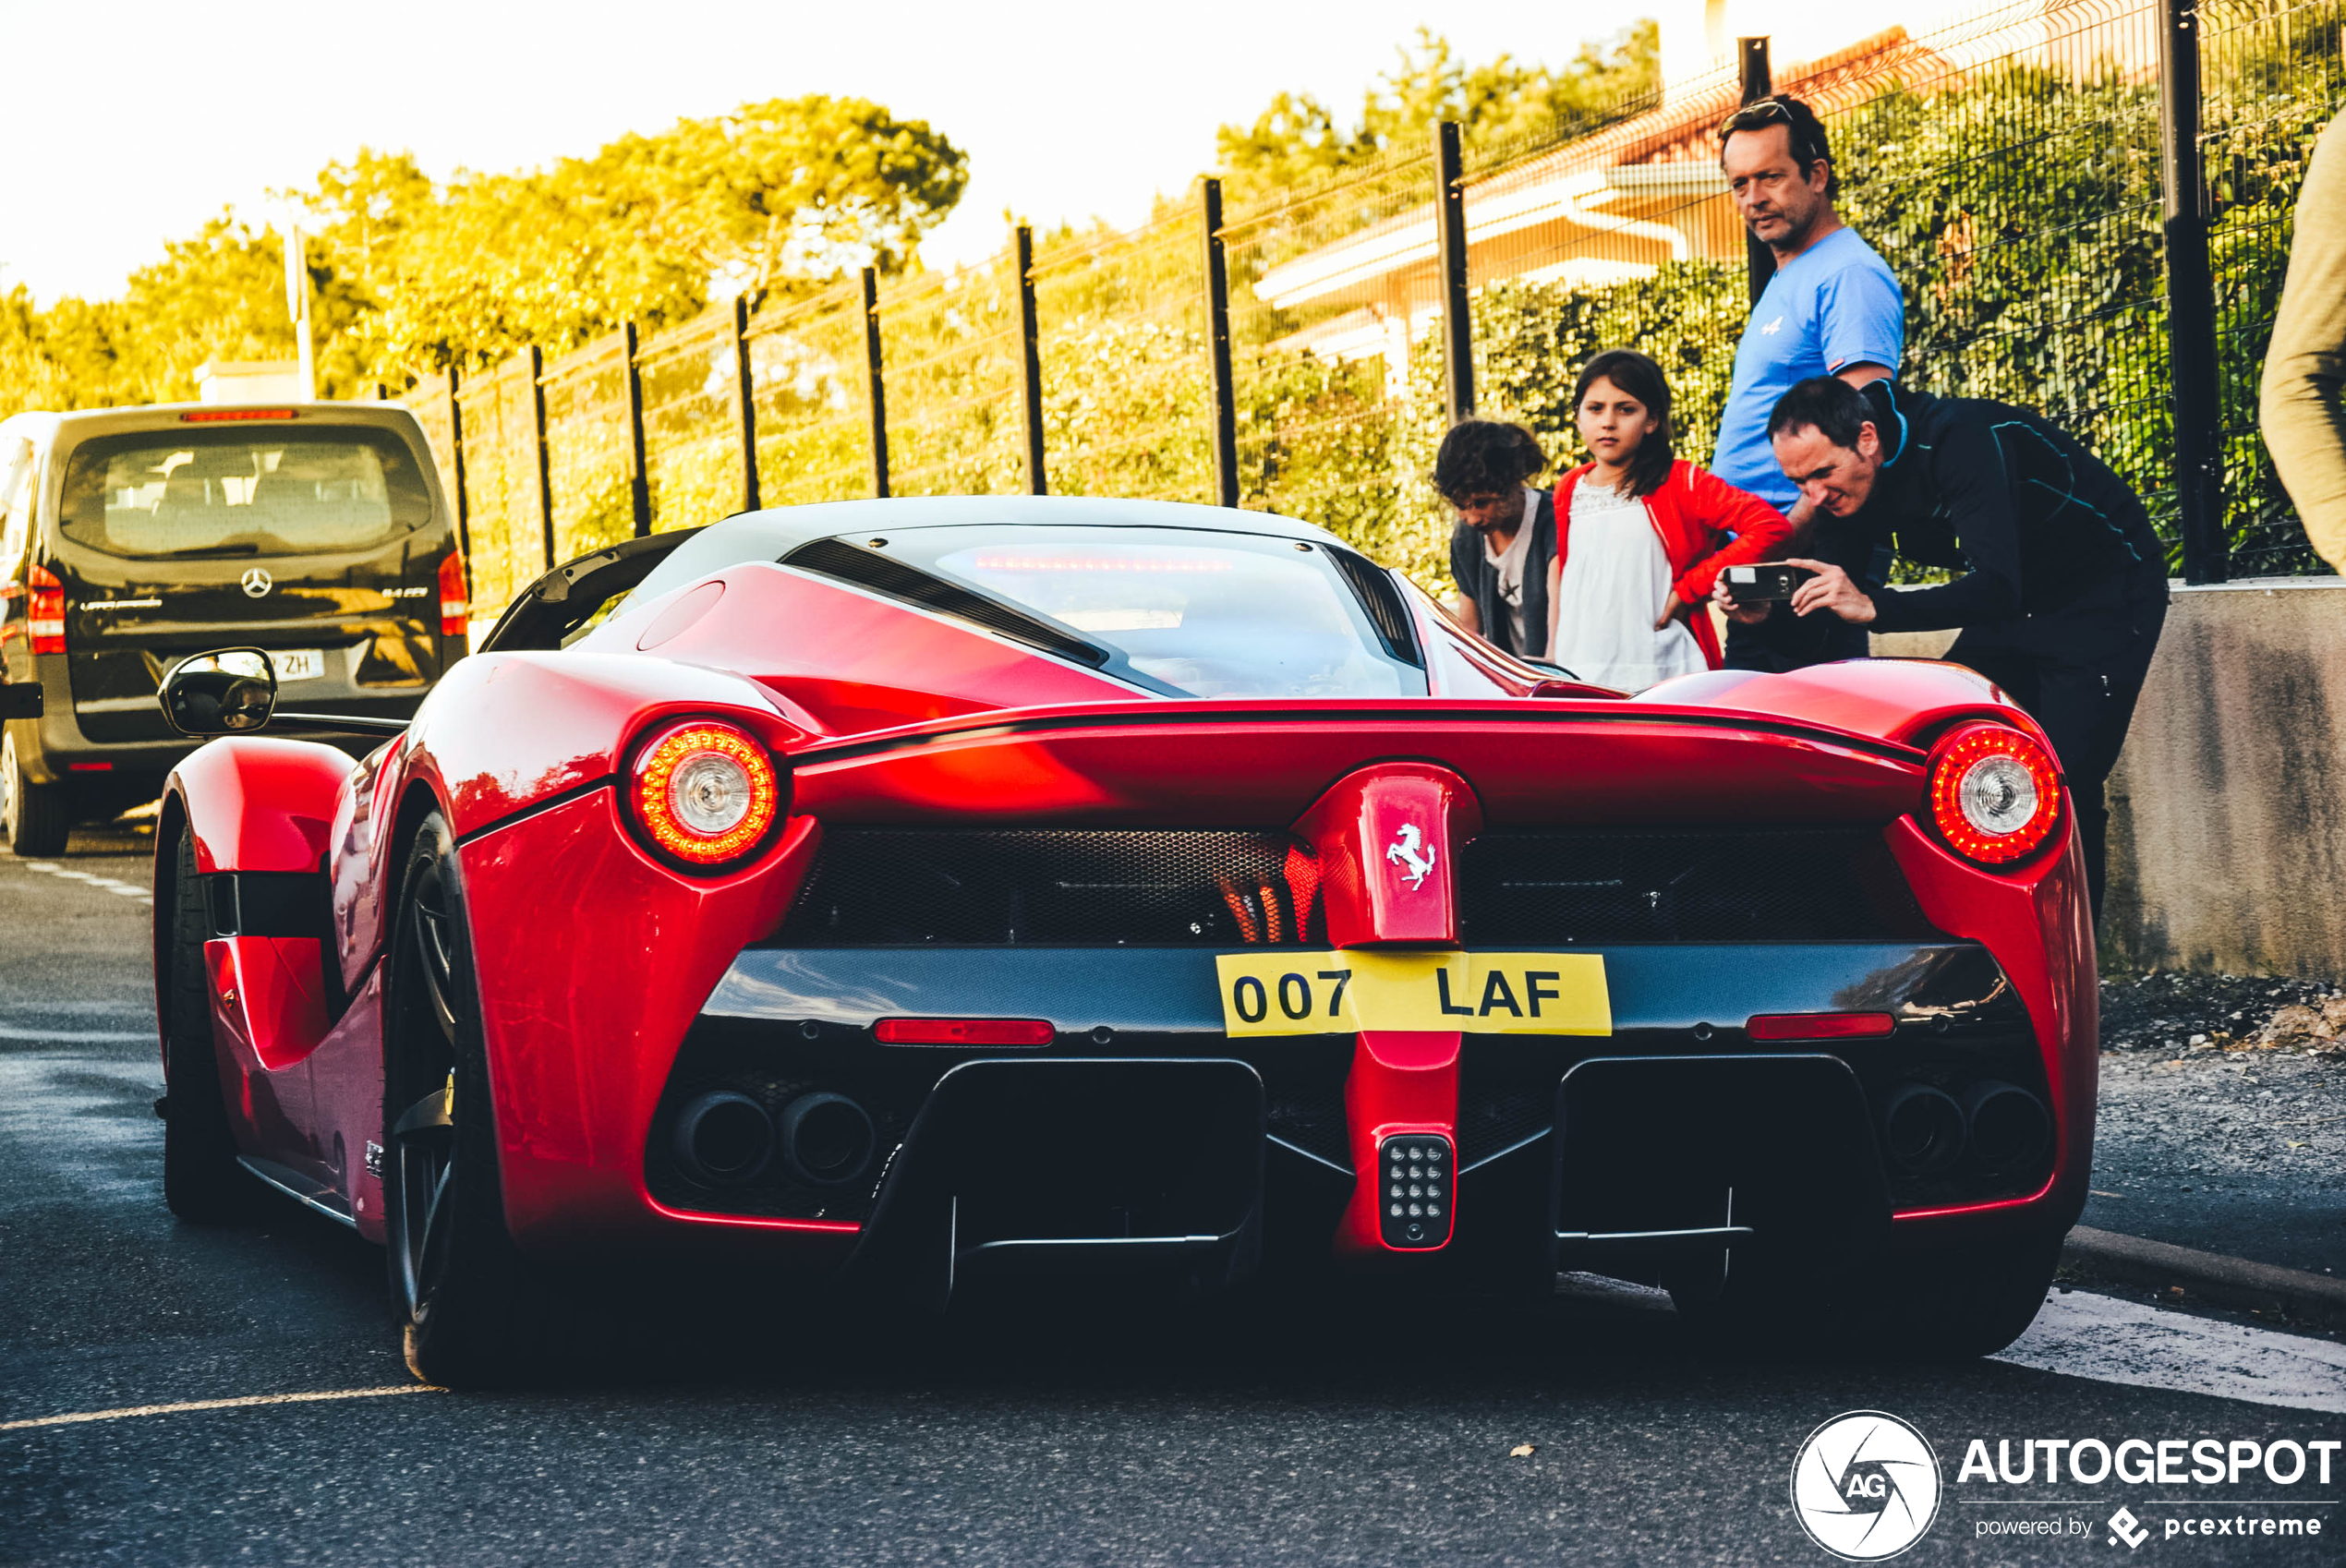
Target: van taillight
{"points": [[454, 608], [47, 612]]}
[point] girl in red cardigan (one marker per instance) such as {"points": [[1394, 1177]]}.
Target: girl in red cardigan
{"points": [[1641, 536]]}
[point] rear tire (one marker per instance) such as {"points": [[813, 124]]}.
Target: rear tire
{"points": [[475, 1312], [201, 1181], [35, 818]]}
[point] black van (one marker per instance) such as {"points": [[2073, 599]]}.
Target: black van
{"points": [[134, 537]]}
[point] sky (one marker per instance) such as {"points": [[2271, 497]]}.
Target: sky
{"points": [[133, 123]]}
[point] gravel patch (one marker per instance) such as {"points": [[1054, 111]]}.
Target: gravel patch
{"points": [[2217, 1129]]}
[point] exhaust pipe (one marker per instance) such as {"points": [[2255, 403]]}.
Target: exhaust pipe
{"points": [[828, 1140], [2009, 1125], [723, 1139], [1922, 1128]]}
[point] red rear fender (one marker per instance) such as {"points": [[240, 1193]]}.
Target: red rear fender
{"points": [[259, 803], [1907, 700], [503, 732]]}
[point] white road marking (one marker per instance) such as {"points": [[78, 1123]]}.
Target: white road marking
{"points": [[2112, 1340], [106, 884], [76, 1036], [245, 1402]]}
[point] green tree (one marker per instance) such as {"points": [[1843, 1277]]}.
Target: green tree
{"points": [[1298, 139], [409, 275]]}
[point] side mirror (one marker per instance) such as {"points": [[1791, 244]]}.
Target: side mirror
{"points": [[225, 691]]}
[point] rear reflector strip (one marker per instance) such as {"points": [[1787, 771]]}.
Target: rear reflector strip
{"points": [[964, 1031], [90, 767], [233, 415], [1820, 1026]]}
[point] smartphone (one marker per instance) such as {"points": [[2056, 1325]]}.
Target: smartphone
{"points": [[1765, 585]]}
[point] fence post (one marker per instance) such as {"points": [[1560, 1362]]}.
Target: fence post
{"points": [[456, 473], [1458, 327], [2191, 303], [1218, 339], [536, 365], [748, 403], [1758, 82], [876, 382], [1031, 363], [639, 479]]}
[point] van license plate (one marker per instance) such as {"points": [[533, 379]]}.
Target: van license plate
{"points": [[298, 664]]}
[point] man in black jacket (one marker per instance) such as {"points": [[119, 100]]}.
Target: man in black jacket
{"points": [[2060, 585], [1505, 536]]}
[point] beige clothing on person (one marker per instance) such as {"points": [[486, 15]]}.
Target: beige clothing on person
{"points": [[2305, 419]]}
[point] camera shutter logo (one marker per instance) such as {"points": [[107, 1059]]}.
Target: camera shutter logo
{"points": [[257, 582], [1866, 1486]]}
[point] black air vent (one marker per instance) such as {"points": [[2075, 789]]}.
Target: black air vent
{"points": [[1384, 603], [882, 575]]}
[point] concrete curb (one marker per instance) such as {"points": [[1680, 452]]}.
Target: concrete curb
{"points": [[2231, 1281]]}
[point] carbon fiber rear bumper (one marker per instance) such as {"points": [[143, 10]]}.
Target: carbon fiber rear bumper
{"points": [[1674, 1136]]}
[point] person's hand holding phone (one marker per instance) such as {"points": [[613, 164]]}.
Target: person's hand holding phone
{"points": [[1749, 594], [1831, 589], [1739, 611]]}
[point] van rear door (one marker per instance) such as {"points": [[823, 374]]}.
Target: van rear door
{"points": [[318, 541]]}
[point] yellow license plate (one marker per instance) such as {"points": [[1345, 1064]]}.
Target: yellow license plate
{"points": [[1342, 993]]}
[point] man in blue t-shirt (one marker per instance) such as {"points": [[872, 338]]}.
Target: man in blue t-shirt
{"points": [[1832, 309]]}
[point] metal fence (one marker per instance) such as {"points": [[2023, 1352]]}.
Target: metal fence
{"points": [[2033, 173]]}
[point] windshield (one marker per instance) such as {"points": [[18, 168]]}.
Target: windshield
{"points": [[1206, 615], [243, 492]]}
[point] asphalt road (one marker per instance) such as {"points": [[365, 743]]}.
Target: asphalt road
{"points": [[1391, 1437]]}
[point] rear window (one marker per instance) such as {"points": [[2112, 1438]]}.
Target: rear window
{"points": [[245, 491], [1206, 615]]}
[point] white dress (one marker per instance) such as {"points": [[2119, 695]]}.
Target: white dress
{"points": [[1615, 578]]}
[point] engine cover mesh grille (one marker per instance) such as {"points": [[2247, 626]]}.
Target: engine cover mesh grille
{"points": [[1141, 886], [1583, 886], [876, 886]]}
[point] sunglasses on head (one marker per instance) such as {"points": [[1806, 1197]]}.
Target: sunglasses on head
{"points": [[1751, 116]]}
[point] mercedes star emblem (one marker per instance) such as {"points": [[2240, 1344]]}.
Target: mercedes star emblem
{"points": [[257, 582]]}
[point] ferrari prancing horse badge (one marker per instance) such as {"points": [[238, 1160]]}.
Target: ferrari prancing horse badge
{"points": [[1412, 854]]}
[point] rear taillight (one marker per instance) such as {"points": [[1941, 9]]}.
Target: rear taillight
{"points": [[705, 793], [1995, 793], [47, 612], [456, 605]]}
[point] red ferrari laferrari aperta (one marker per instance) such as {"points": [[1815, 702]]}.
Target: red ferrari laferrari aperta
{"points": [[937, 895]]}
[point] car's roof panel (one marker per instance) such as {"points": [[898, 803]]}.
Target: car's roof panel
{"points": [[794, 526]]}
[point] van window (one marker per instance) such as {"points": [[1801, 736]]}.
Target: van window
{"points": [[247, 492]]}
